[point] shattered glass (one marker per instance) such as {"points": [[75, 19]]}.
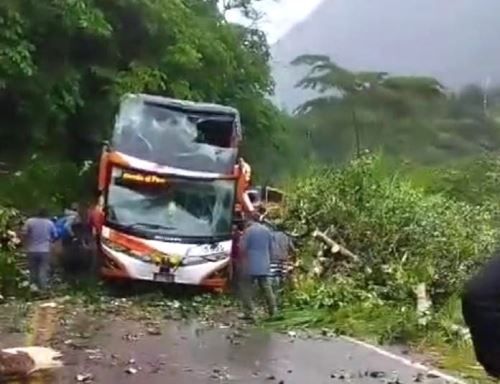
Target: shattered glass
{"points": [[181, 208], [176, 137]]}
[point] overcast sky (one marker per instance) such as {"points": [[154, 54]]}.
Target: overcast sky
{"points": [[281, 15]]}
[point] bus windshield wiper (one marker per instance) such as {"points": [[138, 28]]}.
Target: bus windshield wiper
{"points": [[150, 225]]}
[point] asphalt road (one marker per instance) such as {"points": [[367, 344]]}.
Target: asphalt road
{"points": [[180, 353]]}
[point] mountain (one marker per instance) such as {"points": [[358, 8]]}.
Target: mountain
{"points": [[456, 41]]}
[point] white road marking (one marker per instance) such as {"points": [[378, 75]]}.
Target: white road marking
{"points": [[407, 362]]}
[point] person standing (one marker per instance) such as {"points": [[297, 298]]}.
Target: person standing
{"points": [[96, 218], [280, 256], [256, 248], [71, 218], [235, 255], [38, 233]]}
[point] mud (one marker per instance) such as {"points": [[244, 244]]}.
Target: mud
{"points": [[115, 350]]}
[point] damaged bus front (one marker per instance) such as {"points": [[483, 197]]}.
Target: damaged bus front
{"points": [[169, 186]]}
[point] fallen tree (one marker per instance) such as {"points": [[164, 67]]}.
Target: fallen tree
{"points": [[335, 247], [392, 245]]}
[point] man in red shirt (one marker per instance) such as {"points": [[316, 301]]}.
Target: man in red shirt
{"points": [[96, 217], [96, 221]]}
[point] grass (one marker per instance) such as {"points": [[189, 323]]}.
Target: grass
{"points": [[458, 358]]}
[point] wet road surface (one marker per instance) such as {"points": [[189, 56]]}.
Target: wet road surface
{"points": [[112, 349], [190, 353]]}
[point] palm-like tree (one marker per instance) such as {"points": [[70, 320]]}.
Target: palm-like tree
{"points": [[347, 99], [375, 89]]}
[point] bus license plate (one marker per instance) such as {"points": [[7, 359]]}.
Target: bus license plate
{"points": [[164, 277]]}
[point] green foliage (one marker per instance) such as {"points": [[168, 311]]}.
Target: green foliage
{"points": [[375, 89], [410, 118], [44, 182], [10, 276], [408, 225], [404, 235], [64, 64], [475, 181]]}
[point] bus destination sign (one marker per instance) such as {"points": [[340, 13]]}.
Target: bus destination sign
{"points": [[141, 178]]}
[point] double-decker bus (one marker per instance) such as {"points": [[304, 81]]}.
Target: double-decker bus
{"points": [[171, 185]]}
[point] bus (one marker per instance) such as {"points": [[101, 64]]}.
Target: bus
{"points": [[171, 186]]}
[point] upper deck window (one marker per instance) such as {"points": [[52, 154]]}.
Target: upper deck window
{"points": [[175, 136]]}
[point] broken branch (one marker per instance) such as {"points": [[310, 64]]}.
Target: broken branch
{"points": [[334, 246]]}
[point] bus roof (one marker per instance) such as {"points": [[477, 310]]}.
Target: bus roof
{"points": [[186, 105]]}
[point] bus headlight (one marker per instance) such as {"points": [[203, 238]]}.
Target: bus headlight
{"points": [[122, 249], [202, 259], [215, 257], [112, 245]]}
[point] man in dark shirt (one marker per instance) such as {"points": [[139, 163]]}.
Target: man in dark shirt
{"points": [[481, 311], [236, 254], [256, 248]]}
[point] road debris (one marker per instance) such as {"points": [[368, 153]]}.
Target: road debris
{"points": [[84, 377], [197, 351], [394, 379], [94, 354], [131, 337], [376, 374], [220, 374], [154, 331], [419, 378], [131, 370], [341, 375]]}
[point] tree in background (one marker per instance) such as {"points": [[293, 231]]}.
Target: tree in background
{"points": [[371, 88], [405, 116], [65, 63]]}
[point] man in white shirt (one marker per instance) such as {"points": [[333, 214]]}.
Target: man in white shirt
{"points": [[38, 233]]}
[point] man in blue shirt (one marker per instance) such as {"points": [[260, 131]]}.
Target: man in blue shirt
{"points": [[256, 249]]}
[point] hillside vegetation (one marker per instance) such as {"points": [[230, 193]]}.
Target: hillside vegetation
{"points": [[423, 210]]}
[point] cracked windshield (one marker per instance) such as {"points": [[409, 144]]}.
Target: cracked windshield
{"points": [[170, 136], [172, 207], [249, 191]]}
